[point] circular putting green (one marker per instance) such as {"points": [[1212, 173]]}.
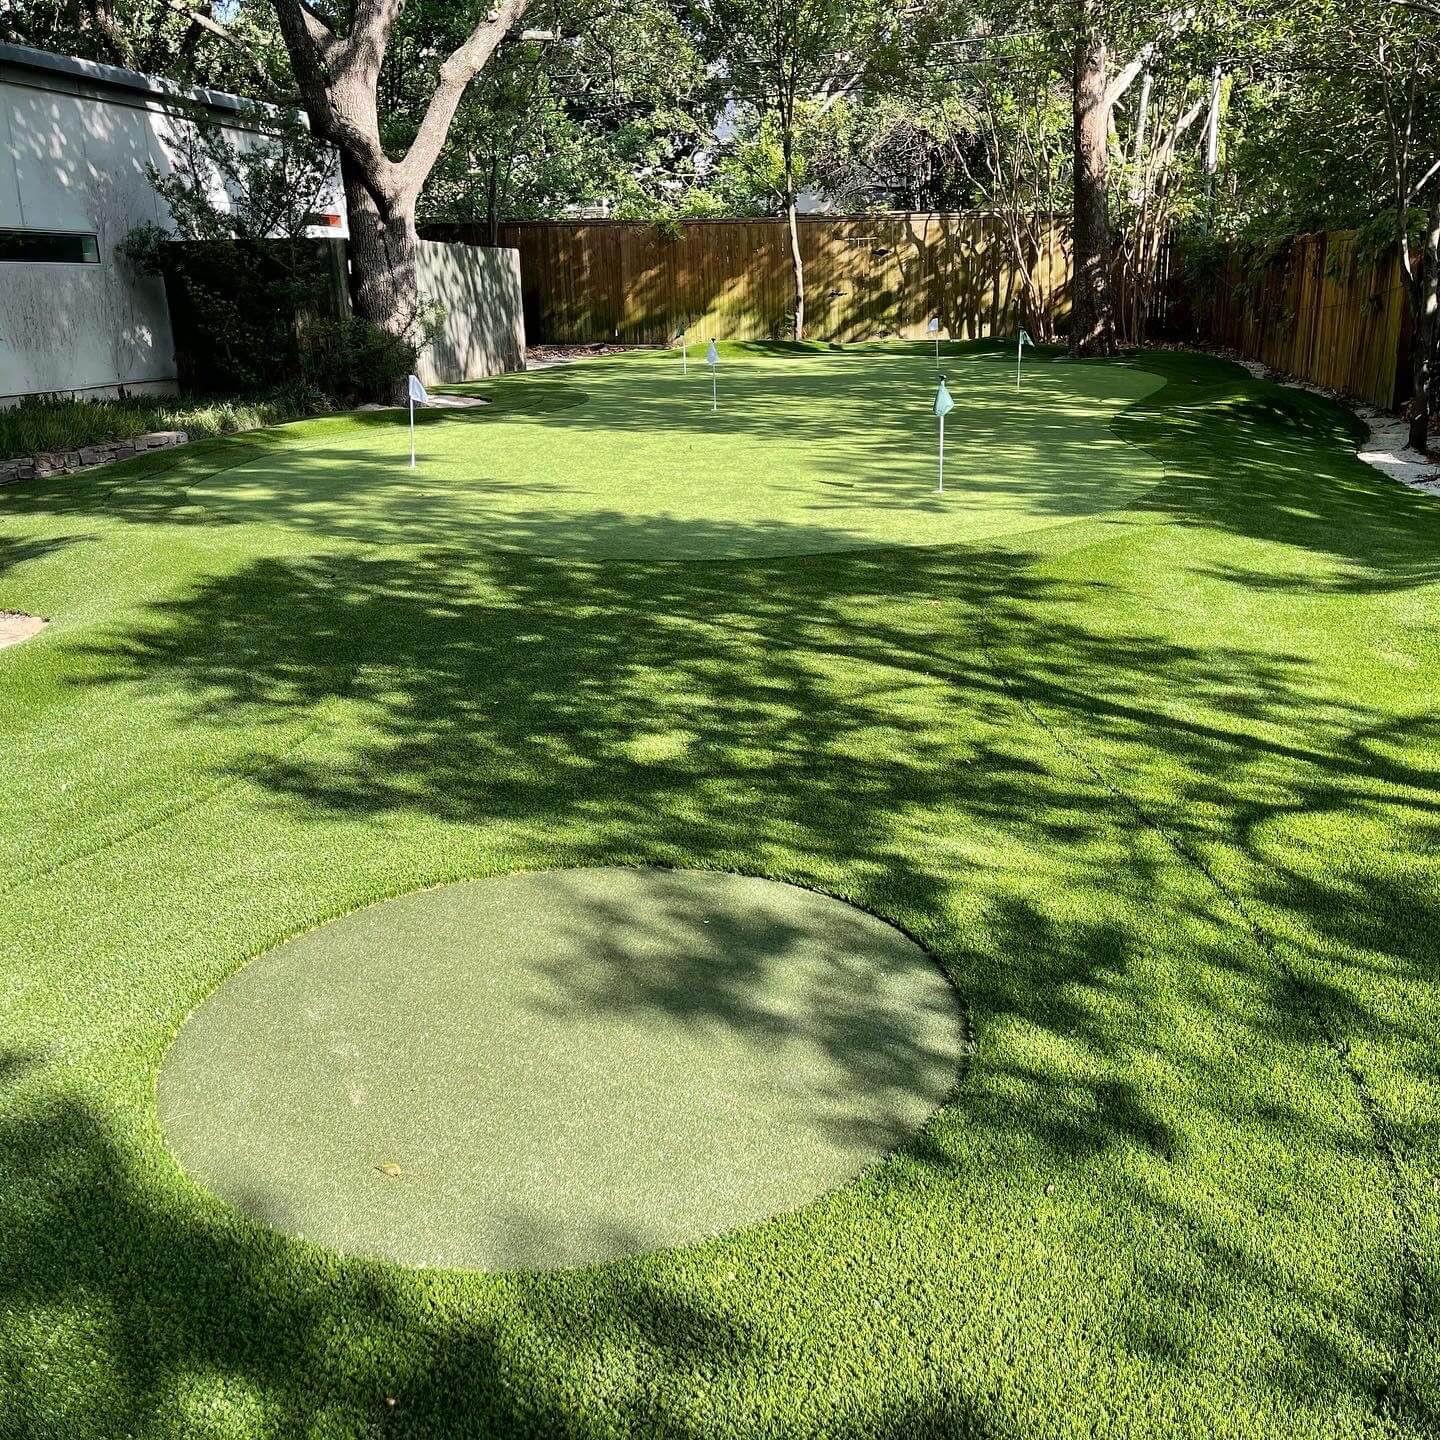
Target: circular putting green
{"points": [[554, 1068]]}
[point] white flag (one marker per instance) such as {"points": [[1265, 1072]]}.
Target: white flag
{"points": [[1025, 338], [418, 392]]}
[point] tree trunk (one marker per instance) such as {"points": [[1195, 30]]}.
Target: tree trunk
{"points": [[338, 75], [493, 200], [797, 265], [1092, 322], [384, 287], [1427, 333]]}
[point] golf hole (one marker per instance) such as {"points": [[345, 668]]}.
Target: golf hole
{"points": [[557, 1068]]}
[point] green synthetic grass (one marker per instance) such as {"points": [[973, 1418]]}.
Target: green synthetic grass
{"points": [[552, 1069], [809, 452], [1155, 777], [45, 423]]}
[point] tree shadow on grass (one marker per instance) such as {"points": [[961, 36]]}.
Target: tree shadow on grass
{"points": [[837, 721], [848, 722], [1263, 462], [14, 553], [189, 1308], [1245, 458], [192, 1322]]}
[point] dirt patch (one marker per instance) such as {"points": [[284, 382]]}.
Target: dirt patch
{"points": [[15, 627]]}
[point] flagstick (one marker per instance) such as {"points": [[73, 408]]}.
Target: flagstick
{"points": [[714, 390], [1019, 351], [940, 489], [937, 352], [412, 432]]}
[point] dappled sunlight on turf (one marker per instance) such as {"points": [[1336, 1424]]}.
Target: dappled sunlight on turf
{"points": [[1158, 786], [621, 1059], [825, 453]]}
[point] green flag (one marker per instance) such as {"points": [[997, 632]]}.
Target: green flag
{"points": [[944, 401]]}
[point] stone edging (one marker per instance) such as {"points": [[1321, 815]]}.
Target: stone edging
{"points": [[86, 457], [1387, 449]]}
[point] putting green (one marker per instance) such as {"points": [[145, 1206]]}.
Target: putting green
{"points": [[807, 453], [552, 1068]]}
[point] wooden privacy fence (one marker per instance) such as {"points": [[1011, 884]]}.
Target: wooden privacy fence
{"points": [[1320, 311], [866, 276]]}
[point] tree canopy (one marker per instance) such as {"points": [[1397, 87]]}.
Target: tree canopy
{"points": [[1229, 122]]}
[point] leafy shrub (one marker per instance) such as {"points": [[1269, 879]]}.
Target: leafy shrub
{"points": [[254, 304], [354, 360], [41, 423]]}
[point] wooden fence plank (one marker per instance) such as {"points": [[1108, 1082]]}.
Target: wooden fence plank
{"points": [[867, 276], [1318, 310]]}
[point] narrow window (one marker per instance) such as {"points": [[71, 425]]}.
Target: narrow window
{"points": [[61, 247]]}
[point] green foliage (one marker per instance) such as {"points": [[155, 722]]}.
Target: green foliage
{"points": [[231, 46], [750, 174], [785, 67], [255, 304], [269, 188], [41, 423], [616, 113], [353, 360], [1333, 101]]}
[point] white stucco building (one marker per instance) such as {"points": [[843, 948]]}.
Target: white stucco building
{"points": [[76, 142]]}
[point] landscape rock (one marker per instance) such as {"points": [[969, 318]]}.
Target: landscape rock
{"points": [[87, 457]]}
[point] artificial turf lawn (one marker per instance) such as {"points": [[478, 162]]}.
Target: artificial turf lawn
{"points": [[1157, 785], [563, 1067], [825, 451]]}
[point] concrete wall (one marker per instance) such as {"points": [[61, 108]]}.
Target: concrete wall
{"points": [[483, 331], [76, 141]]}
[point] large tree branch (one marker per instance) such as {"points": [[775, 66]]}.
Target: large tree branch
{"points": [[462, 65], [1424, 180], [338, 94], [362, 52], [1170, 27], [311, 43], [201, 21]]}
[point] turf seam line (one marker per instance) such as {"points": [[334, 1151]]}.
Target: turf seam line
{"points": [[196, 801], [200, 799], [193, 802], [1410, 1274]]}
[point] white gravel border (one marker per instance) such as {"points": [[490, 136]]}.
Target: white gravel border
{"points": [[1385, 450]]}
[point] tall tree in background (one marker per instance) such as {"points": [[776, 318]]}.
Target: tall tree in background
{"points": [[1396, 48], [1096, 92], [791, 60], [614, 112], [338, 57], [1092, 320], [1015, 106], [1343, 101]]}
